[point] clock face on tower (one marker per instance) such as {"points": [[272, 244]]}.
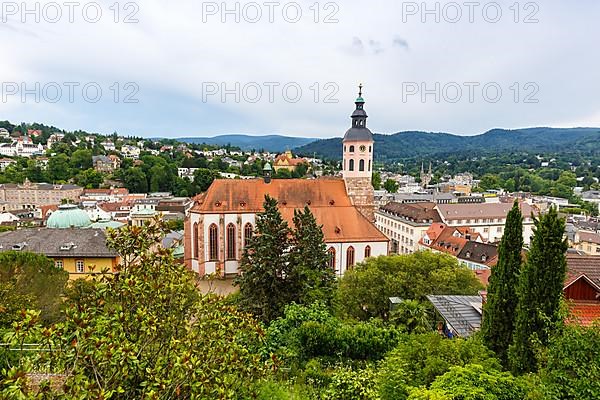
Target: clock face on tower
{"points": [[363, 148]]}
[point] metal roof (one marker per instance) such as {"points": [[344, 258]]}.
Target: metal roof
{"points": [[461, 313]]}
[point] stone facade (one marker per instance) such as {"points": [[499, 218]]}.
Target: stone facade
{"points": [[362, 194], [32, 195]]}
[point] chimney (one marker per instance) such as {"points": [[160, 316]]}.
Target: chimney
{"points": [[267, 173]]}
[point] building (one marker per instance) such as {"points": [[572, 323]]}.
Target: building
{"points": [[593, 196], [187, 173], [287, 161], [358, 148], [405, 224], [112, 195], [108, 145], [131, 151], [106, 164], [81, 252], [55, 138], [4, 133], [5, 162], [68, 216], [224, 217], [487, 219], [587, 242], [32, 195], [21, 147]]}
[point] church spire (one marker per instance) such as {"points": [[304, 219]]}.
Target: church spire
{"points": [[359, 116]]}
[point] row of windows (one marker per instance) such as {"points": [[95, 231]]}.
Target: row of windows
{"points": [[351, 149], [79, 265], [361, 165], [349, 256], [213, 241]]}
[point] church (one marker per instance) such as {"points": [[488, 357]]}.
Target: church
{"points": [[223, 218]]}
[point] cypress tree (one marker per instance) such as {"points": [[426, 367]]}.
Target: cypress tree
{"points": [[314, 280], [539, 292], [499, 311], [264, 283]]}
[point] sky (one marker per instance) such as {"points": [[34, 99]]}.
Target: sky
{"points": [[190, 68]]}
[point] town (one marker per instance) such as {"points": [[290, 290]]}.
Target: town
{"points": [[330, 257]]}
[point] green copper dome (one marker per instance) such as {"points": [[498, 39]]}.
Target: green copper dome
{"points": [[68, 216]]}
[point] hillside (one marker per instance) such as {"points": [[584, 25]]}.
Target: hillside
{"points": [[275, 143], [411, 144]]}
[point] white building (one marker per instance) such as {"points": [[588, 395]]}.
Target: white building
{"points": [[5, 162], [22, 147], [4, 133], [108, 145], [405, 224], [130, 151], [487, 219], [186, 173]]}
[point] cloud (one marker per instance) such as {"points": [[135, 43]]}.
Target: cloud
{"points": [[399, 42]]}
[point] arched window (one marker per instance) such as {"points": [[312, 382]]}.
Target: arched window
{"points": [[361, 165], [231, 242], [248, 230], [367, 251], [213, 243], [369, 165], [351, 167], [351, 149], [370, 148], [350, 257], [196, 242], [331, 253]]}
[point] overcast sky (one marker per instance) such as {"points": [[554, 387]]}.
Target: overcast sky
{"points": [[190, 73]]}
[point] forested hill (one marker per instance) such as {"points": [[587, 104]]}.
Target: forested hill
{"points": [[275, 143], [414, 144]]}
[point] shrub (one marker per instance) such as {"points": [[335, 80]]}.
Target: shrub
{"points": [[420, 359], [348, 384]]}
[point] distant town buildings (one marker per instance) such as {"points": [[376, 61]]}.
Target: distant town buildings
{"points": [[31, 195], [287, 161]]}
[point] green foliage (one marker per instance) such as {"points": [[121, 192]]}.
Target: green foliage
{"points": [[499, 311], [203, 178], [349, 384], [29, 281], [314, 280], [420, 359], [265, 266], [357, 341], [572, 370], [473, 382], [391, 186], [145, 333], [364, 291], [89, 179], [540, 291], [281, 266], [376, 180], [412, 316]]}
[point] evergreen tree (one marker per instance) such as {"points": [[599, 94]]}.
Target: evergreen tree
{"points": [[264, 282], [313, 278], [539, 292], [499, 311]]}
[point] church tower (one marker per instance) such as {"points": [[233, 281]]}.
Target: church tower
{"points": [[358, 161]]}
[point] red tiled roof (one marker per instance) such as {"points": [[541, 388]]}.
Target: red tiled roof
{"points": [[327, 199], [584, 312], [419, 212], [479, 211], [484, 276], [588, 265], [588, 237]]}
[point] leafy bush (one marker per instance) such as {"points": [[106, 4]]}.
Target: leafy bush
{"points": [[363, 292], [348, 384], [420, 359], [360, 341], [473, 382], [572, 370]]}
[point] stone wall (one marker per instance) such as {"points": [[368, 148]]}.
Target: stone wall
{"points": [[362, 194]]}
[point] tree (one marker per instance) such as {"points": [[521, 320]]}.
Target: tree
{"points": [[539, 292], [572, 369], [419, 359], [29, 281], [89, 179], [499, 311], [59, 168], [391, 186], [203, 178], [472, 382], [364, 291], [265, 266], [135, 180], [412, 316], [81, 159], [311, 275], [144, 333], [376, 180]]}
